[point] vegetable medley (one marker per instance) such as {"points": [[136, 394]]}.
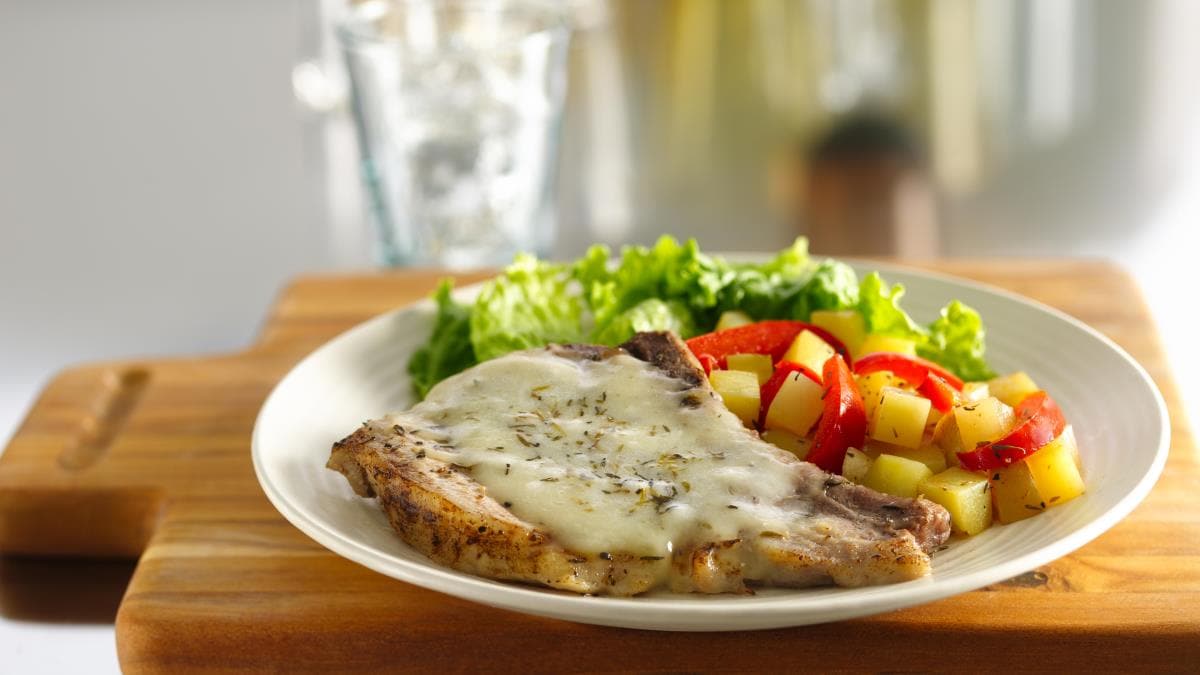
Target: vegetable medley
{"points": [[867, 407], [823, 364]]}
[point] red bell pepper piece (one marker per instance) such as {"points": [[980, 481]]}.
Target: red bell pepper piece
{"points": [[709, 362], [772, 386], [912, 369], [938, 391], [764, 337], [1039, 421], [843, 423]]}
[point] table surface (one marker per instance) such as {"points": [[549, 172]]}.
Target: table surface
{"points": [[222, 572]]}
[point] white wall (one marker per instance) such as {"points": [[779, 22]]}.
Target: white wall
{"points": [[156, 183]]}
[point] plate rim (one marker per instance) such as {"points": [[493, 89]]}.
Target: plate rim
{"points": [[742, 613]]}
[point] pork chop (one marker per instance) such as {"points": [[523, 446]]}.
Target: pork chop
{"points": [[619, 471]]}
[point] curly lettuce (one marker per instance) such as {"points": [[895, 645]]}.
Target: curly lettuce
{"points": [[673, 273], [448, 350], [648, 315], [529, 305], [880, 307], [832, 285], [674, 286], [956, 341]]}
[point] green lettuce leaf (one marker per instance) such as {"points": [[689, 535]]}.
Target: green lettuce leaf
{"points": [[648, 315], [768, 290], [596, 279], [832, 285], [791, 262], [673, 286], [690, 276], [449, 349], [880, 307], [527, 306], [674, 273], [759, 295], [677, 272], [956, 341]]}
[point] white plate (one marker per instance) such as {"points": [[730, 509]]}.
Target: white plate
{"points": [[1119, 417]]}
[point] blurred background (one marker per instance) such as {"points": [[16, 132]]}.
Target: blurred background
{"points": [[166, 167]]}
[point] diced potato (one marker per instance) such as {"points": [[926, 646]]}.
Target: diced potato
{"points": [[732, 319], [797, 445], [928, 455], [945, 434], [1055, 471], [759, 364], [1045, 479], [797, 405], [810, 351], [1012, 388], [871, 386], [886, 343], [896, 475], [899, 418], [846, 325], [982, 422], [931, 423], [1014, 494], [965, 495], [952, 458], [875, 448], [975, 391], [1068, 437], [856, 465], [739, 389]]}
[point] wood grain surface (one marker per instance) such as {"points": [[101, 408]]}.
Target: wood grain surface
{"points": [[151, 460]]}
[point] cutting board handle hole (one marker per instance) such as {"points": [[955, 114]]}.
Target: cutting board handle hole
{"points": [[118, 395]]}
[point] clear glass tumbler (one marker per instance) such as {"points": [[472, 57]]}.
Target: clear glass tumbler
{"points": [[457, 107]]}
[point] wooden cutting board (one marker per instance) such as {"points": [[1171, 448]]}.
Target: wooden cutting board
{"points": [[151, 459]]}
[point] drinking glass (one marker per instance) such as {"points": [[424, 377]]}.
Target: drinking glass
{"points": [[457, 107]]}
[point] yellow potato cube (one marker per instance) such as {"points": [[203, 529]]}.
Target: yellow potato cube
{"points": [[899, 418], [983, 421], [740, 392], [876, 448], [856, 465], [896, 475], [871, 386], [945, 435], [1068, 437], [965, 495], [975, 391], [952, 458], [797, 405], [732, 319], [1014, 494], [810, 351], [935, 416], [846, 325], [797, 445], [928, 455], [886, 343], [1012, 388], [1045, 479], [759, 364], [1054, 470]]}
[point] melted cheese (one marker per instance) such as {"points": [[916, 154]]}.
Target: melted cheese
{"points": [[606, 455]]}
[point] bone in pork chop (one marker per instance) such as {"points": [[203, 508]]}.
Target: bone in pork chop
{"points": [[619, 471]]}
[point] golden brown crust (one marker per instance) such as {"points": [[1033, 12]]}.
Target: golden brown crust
{"points": [[446, 515]]}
